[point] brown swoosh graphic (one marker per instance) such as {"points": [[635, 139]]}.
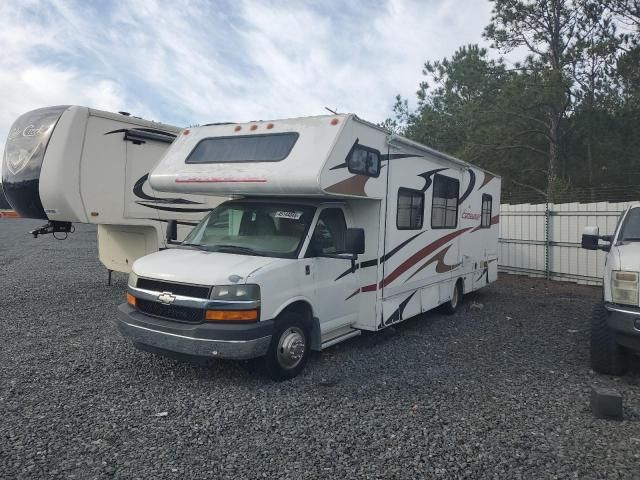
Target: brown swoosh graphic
{"points": [[351, 186], [412, 260], [487, 178], [441, 265]]}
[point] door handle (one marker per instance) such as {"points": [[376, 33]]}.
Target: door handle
{"points": [[307, 269]]}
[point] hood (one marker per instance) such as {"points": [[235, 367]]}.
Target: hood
{"points": [[198, 266], [628, 257]]}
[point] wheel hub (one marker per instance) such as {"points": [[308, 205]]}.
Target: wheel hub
{"points": [[291, 347]]}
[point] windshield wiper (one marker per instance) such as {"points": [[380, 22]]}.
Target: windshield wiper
{"points": [[196, 245], [246, 250]]}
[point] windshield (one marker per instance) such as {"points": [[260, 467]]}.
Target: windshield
{"points": [[630, 231], [252, 228]]}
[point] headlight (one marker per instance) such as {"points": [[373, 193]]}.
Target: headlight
{"points": [[133, 279], [235, 292], [624, 287]]}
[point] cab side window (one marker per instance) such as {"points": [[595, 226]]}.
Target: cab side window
{"points": [[330, 233]]}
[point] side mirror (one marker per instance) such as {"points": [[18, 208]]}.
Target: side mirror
{"points": [[590, 238], [172, 231], [354, 241]]}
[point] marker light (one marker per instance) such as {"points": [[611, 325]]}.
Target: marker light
{"points": [[269, 126], [237, 129], [131, 300], [253, 127], [334, 121], [231, 315], [186, 131]]}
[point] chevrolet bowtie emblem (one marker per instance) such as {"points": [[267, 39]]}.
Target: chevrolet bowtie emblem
{"points": [[167, 298]]}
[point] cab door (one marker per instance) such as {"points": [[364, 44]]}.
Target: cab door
{"points": [[333, 282]]}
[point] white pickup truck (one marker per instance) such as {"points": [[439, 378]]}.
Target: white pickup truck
{"points": [[615, 321]]}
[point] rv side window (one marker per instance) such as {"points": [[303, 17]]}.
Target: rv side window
{"points": [[410, 209], [364, 161], [485, 221], [444, 209], [272, 147]]}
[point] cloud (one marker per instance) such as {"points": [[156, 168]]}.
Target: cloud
{"points": [[199, 61]]}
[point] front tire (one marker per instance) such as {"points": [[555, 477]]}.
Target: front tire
{"points": [[289, 349], [456, 299], [606, 355]]}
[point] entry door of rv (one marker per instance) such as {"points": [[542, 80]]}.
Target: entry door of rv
{"points": [[444, 214]]}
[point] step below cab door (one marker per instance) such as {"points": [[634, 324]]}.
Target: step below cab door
{"points": [[332, 277]]}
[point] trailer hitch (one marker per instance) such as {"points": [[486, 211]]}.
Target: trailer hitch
{"points": [[53, 227]]}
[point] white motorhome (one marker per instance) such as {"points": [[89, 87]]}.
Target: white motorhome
{"points": [[336, 227], [72, 164]]}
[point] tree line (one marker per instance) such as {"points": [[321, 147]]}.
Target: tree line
{"points": [[563, 123]]}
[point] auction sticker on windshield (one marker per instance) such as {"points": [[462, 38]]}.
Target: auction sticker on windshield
{"points": [[285, 214]]}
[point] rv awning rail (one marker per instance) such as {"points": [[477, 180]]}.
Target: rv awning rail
{"points": [[397, 139]]}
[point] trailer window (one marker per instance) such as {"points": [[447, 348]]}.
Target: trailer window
{"points": [[410, 213], [485, 219], [444, 209], [272, 147], [364, 161]]}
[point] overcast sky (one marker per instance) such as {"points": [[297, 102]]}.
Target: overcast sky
{"points": [[189, 62]]}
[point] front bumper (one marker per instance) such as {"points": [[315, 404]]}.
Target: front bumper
{"points": [[625, 321], [208, 340]]}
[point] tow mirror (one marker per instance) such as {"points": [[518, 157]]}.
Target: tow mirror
{"points": [[172, 231], [591, 237], [355, 241]]}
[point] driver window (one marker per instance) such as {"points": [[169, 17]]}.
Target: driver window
{"points": [[330, 233]]}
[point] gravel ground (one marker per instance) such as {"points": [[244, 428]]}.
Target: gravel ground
{"points": [[497, 392]]}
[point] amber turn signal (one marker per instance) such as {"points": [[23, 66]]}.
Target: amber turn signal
{"points": [[131, 300], [232, 315]]}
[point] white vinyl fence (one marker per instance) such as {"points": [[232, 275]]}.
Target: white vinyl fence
{"points": [[542, 240]]}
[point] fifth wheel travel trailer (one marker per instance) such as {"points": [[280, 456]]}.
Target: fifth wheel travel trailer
{"points": [[336, 227], [71, 164]]}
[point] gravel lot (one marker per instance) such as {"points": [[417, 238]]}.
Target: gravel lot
{"points": [[497, 392]]}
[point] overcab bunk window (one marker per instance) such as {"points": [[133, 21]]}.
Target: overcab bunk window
{"points": [[410, 209], [364, 161], [444, 209], [485, 220], [272, 147]]}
